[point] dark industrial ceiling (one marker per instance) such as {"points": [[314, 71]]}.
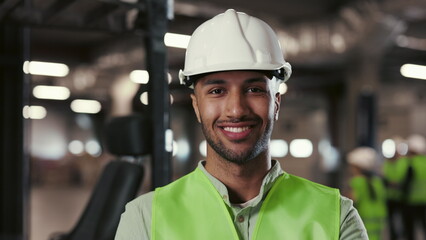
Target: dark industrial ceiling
{"points": [[321, 36]]}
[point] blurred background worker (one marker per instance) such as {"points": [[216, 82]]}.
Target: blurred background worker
{"points": [[394, 171], [368, 190], [414, 187]]}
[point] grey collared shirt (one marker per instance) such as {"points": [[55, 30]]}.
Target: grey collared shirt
{"points": [[135, 223]]}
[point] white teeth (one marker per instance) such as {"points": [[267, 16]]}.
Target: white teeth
{"points": [[235, 129]]}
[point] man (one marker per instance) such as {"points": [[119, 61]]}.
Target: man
{"points": [[394, 172], [368, 190], [414, 187], [234, 63]]}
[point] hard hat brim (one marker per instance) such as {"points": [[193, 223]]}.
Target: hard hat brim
{"points": [[184, 75]]}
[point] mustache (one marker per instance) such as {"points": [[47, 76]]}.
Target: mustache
{"points": [[238, 120]]}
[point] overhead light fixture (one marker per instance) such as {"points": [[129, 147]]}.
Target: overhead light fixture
{"points": [[76, 147], [388, 148], [51, 92], [142, 76], [86, 106], [183, 149], [45, 68], [203, 148], [176, 40], [414, 43], [301, 148], [413, 71], [278, 148], [175, 148], [139, 76], [93, 148], [34, 112], [144, 98], [168, 135]]}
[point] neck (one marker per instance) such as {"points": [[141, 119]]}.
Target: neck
{"points": [[242, 181]]}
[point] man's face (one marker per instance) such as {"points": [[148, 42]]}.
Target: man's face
{"points": [[236, 110]]}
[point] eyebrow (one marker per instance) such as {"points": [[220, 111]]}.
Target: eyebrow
{"points": [[257, 79], [213, 82]]}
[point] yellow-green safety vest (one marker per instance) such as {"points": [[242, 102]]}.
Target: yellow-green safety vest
{"points": [[295, 208], [372, 211], [417, 193], [394, 172]]}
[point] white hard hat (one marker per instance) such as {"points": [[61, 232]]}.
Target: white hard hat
{"points": [[234, 41], [401, 146], [363, 157], [416, 143]]}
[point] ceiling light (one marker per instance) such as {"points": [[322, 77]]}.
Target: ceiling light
{"points": [[279, 148], [388, 148], [338, 42], [139, 76], [176, 40], [34, 112], [86, 106], [93, 148], [144, 98], [301, 148], [175, 148], [203, 148], [172, 99], [168, 135], [45, 68], [183, 149], [411, 42], [413, 71], [51, 92], [169, 78], [76, 147]]}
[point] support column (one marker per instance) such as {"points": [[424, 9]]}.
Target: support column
{"points": [[362, 86], [159, 96], [363, 82], [14, 164]]}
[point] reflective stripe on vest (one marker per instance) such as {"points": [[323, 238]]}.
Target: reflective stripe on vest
{"points": [[295, 208]]}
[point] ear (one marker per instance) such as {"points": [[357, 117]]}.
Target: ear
{"points": [[195, 106], [277, 105]]}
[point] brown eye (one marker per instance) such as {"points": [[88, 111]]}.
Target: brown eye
{"points": [[255, 90], [217, 91]]}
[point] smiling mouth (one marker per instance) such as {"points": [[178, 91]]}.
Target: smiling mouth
{"points": [[236, 133], [236, 129]]}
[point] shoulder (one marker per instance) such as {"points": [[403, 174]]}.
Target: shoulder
{"points": [[351, 225], [135, 222], [141, 204]]}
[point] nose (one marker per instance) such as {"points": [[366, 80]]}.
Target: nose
{"points": [[236, 105]]}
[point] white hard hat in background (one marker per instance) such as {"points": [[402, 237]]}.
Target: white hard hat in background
{"points": [[234, 41], [416, 143], [363, 157], [401, 145]]}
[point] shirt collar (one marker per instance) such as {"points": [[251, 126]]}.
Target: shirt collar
{"points": [[267, 183]]}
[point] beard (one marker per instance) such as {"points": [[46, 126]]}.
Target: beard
{"points": [[239, 158]]}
